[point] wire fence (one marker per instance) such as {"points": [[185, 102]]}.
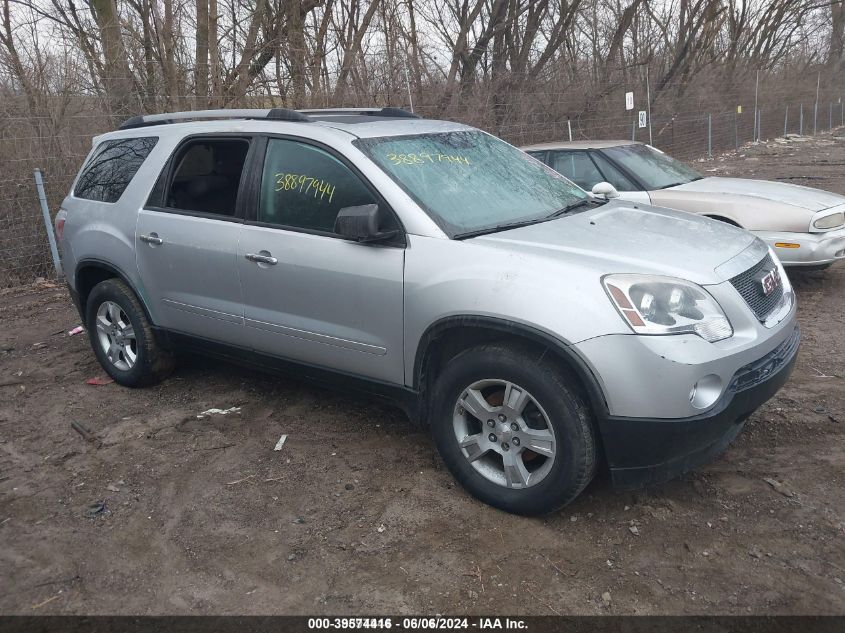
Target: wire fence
{"points": [[57, 147]]}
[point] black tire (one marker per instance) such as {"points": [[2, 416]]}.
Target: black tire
{"points": [[574, 464], [152, 363]]}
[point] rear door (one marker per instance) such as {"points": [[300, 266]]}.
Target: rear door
{"points": [[187, 240], [310, 295]]}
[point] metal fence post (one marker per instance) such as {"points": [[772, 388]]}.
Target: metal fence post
{"points": [[801, 121], [759, 125], [786, 121], [709, 136], [736, 132], [634, 130], [569, 127], [830, 117], [48, 223]]}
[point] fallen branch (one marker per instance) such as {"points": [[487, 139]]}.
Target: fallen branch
{"points": [[86, 434]]}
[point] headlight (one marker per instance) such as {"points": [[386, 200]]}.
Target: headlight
{"points": [[830, 221], [665, 305]]}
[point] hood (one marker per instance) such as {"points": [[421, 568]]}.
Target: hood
{"points": [[784, 193], [620, 237]]}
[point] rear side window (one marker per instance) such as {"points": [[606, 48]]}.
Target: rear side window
{"points": [[207, 176], [112, 167]]}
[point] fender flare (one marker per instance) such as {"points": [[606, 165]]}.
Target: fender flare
{"points": [[93, 262], [562, 348]]}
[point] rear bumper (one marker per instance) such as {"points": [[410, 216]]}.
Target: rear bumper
{"points": [[643, 451], [814, 249]]}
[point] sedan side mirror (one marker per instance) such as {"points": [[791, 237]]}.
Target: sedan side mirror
{"points": [[361, 224], [605, 190]]}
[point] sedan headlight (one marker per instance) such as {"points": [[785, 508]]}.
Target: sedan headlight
{"points": [[665, 305], [830, 221]]}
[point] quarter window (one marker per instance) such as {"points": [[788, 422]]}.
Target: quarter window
{"points": [[305, 187], [112, 167]]}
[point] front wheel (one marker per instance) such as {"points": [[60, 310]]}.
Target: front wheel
{"points": [[513, 429]]}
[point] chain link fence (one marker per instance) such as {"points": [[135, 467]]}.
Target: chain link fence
{"points": [[25, 253]]}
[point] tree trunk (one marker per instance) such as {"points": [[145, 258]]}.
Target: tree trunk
{"points": [[117, 78], [201, 57]]}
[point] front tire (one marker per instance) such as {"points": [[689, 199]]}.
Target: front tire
{"points": [[122, 337], [513, 429]]}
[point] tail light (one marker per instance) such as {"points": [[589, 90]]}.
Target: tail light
{"points": [[60, 225]]}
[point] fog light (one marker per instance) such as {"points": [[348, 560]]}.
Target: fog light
{"points": [[706, 392], [787, 245]]}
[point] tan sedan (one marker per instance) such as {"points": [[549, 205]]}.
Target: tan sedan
{"points": [[804, 226]]}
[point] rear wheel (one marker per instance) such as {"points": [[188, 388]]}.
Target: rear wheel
{"points": [[122, 337], [513, 429]]}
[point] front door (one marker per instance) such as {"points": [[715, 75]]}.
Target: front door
{"points": [[309, 295], [187, 240]]}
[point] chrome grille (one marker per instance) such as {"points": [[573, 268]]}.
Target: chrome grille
{"points": [[749, 285]]}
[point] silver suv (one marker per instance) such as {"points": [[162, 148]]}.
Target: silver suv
{"points": [[539, 332]]}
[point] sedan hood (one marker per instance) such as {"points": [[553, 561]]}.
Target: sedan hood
{"points": [[784, 193], [620, 237]]}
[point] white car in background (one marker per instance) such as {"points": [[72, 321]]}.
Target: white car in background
{"points": [[804, 226]]}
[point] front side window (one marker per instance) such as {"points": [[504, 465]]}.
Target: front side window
{"points": [[305, 187], [207, 176], [578, 167], [653, 168], [469, 181], [112, 167], [612, 174]]}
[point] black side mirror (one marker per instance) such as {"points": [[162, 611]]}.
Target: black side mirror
{"points": [[361, 224]]}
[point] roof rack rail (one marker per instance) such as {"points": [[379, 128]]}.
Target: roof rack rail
{"points": [[274, 114], [388, 112]]}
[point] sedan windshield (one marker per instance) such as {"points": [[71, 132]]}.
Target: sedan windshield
{"points": [[653, 168], [470, 182]]}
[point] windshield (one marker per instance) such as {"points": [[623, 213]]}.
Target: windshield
{"points": [[469, 181], [652, 167]]}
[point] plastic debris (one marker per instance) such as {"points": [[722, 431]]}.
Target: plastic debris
{"points": [[99, 381], [209, 412], [77, 330], [280, 443], [779, 487]]}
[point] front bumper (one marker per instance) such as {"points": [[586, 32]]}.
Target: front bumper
{"points": [[814, 249], [642, 451]]}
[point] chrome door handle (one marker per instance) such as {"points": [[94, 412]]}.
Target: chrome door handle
{"points": [[261, 259], [151, 239]]}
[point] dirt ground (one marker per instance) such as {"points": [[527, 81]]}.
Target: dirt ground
{"points": [[356, 513]]}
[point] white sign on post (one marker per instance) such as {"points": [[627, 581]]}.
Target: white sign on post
{"points": [[642, 118], [629, 100]]}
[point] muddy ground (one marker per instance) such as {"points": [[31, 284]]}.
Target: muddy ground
{"points": [[356, 513]]}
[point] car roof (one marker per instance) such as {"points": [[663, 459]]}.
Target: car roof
{"points": [[357, 122], [577, 145]]}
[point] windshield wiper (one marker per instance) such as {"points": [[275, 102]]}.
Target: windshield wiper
{"points": [[496, 229], [575, 205], [513, 225]]}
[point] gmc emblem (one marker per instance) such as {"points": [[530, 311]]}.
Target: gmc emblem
{"points": [[769, 282]]}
